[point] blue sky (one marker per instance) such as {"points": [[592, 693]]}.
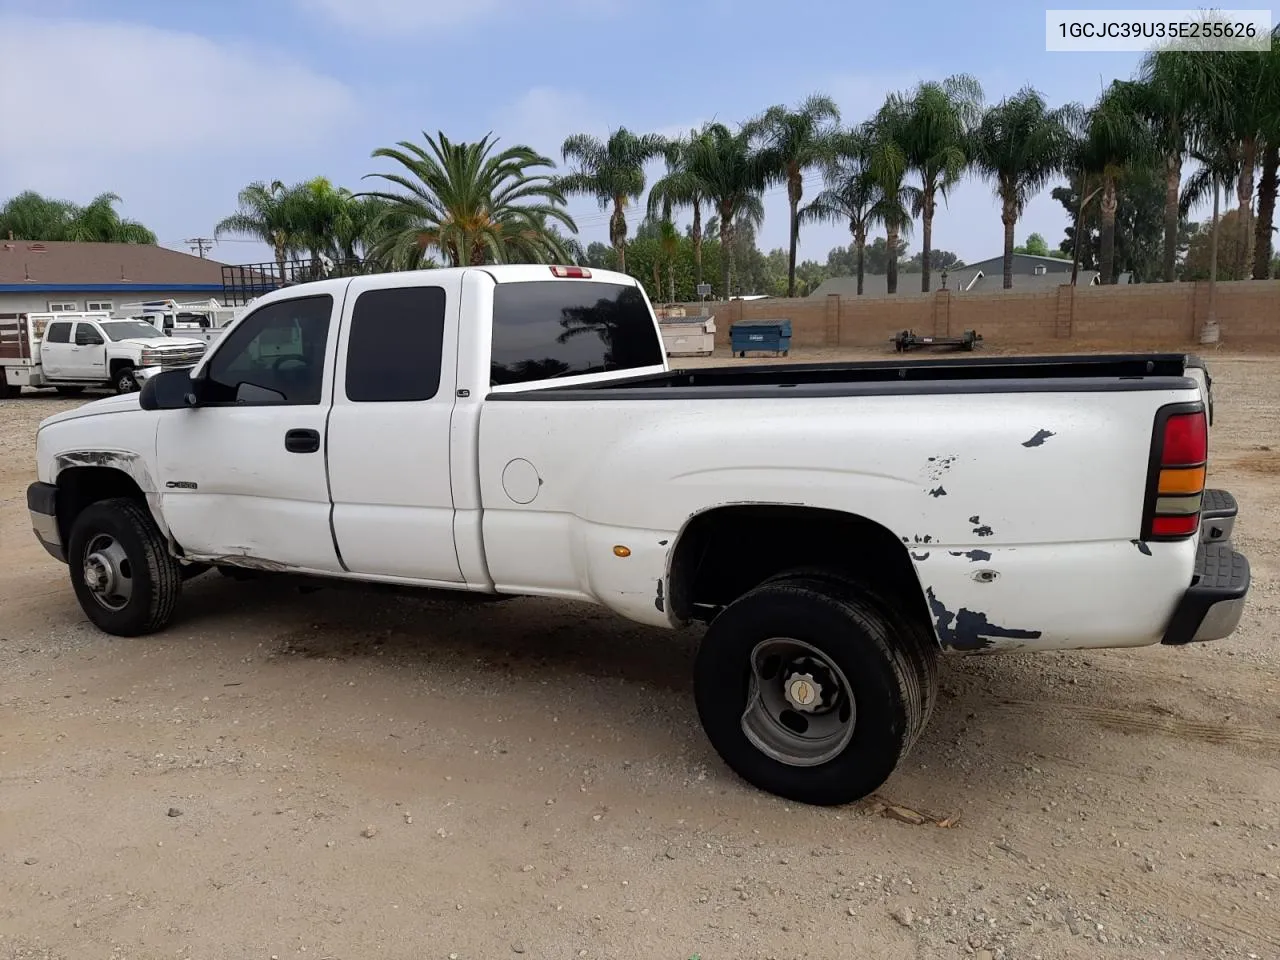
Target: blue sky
{"points": [[176, 105]]}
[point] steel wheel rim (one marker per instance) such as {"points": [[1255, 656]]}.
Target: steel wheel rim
{"points": [[800, 707], [108, 572]]}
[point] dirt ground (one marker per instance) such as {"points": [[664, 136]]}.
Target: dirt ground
{"points": [[348, 775]]}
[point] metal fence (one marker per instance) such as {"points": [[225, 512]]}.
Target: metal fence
{"points": [[245, 281]]}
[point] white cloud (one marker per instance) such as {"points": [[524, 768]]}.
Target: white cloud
{"points": [[173, 122], [405, 17]]}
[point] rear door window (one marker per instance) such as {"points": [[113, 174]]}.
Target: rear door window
{"points": [[565, 328], [394, 348]]}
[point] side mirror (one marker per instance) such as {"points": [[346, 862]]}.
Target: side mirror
{"points": [[168, 390]]}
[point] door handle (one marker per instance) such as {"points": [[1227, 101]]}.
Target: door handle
{"points": [[302, 441]]}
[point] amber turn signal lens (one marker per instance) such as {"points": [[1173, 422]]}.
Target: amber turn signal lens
{"points": [[1182, 481]]}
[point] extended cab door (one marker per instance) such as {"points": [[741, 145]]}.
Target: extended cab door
{"points": [[242, 475], [88, 354], [55, 348], [389, 427]]}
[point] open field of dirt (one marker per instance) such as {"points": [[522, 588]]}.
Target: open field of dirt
{"points": [[348, 775]]}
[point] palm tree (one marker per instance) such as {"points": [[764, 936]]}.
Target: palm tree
{"points": [[852, 194], [470, 203], [669, 247], [1270, 179], [888, 166], [679, 188], [266, 213], [1116, 140], [1178, 89], [1219, 160], [1246, 114], [932, 126], [29, 216], [731, 175], [612, 171], [793, 142], [98, 222], [1020, 144]]}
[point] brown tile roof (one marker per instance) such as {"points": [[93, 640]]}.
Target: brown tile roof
{"points": [[64, 262]]}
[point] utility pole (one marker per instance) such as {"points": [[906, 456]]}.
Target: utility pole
{"points": [[199, 245]]}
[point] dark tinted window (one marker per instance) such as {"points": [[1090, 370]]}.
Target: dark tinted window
{"points": [[275, 355], [58, 333], [394, 348], [86, 336], [562, 328]]}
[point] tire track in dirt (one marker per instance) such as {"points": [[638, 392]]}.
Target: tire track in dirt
{"points": [[1130, 721]]}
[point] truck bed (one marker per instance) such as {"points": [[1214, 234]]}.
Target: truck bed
{"points": [[1034, 374]]}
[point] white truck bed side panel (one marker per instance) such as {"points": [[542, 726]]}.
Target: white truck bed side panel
{"points": [[1057, 520]]}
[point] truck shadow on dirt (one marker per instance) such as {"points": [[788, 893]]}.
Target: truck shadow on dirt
{"points": [[1028, 717]]}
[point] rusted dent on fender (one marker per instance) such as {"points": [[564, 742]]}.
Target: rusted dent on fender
{"points": [[659, 602], [919, 556], [126, 462], [938, 491], [129, 463], [1142, 547], [969, 631]]}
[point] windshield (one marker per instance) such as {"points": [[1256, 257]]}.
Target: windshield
{"points": [[125, 329]]}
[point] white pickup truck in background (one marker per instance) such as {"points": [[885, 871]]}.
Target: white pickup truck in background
{"points": [[202, 320], [71, 351], [515, 430]]}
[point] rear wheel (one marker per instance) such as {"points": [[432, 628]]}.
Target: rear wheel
{"points": [[809, 688], [121, 569], [8, 391]]}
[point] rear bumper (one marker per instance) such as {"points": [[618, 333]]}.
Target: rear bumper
{"points": [[1212, 606], [42, 504]]}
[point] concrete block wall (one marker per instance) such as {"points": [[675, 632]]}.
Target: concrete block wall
{"points": [[1118, 317]]}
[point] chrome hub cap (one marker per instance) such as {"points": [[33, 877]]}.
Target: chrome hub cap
{"points": [[800, 708], [107, 572]]}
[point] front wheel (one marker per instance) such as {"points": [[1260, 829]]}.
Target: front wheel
{"points": [[810, 690], [125, 380], [121, 569]]}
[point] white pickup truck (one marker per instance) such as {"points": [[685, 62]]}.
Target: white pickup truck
{"points": [[514, 430], [71, 351]]}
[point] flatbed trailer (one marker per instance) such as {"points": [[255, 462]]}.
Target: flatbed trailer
{"points": [[910, 340]]}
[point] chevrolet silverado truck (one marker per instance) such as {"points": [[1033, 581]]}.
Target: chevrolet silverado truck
{"points": [[515, 430], [71, 351]]}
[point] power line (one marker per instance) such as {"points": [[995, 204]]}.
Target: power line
{"points": [[199, 245]]}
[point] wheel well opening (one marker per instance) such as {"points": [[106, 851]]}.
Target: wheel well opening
{"points": [[78, 487], [726, 552], [119, 364]]}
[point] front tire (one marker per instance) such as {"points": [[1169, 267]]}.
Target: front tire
{"points": [[125, 380], [811, 690], [121, 569]]}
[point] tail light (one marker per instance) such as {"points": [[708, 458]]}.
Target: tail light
{"points": [[1176, 479], [578, 273]]}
